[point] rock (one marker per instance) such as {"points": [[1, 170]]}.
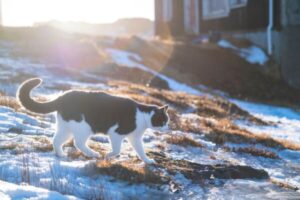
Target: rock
{"points": [[198, 172]]}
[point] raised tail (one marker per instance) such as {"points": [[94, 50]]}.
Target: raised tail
{"points": [[27, 102]]}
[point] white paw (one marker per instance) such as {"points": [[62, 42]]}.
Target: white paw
{"points": [[60, 154], [149, 161]]}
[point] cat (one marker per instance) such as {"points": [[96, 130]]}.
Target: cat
{"points": [[80, 114]]}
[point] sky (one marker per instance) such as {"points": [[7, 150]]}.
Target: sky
{"points": [[27, 12]]}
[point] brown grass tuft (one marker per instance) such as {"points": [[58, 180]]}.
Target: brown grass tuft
{"points": [[183, 140], [10, 102], [256, 152], [225, 131], [284, 184], [96, 146], [11, 146], [130, 171], [42, 144]]}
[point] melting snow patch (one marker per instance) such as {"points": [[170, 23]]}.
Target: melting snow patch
{"points": [[12, 121], [13, 191], [286, 120], [252, 54], [128, 59]]}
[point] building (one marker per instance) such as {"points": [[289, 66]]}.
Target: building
{"points": [[273, 25]]}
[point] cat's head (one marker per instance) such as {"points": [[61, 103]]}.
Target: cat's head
{"points": [[160, 118]]}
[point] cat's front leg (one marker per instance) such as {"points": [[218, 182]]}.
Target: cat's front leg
{"points": [[137, 144], [116, 142]]}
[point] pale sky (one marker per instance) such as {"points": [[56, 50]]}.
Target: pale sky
{"points": [[26, 12]]}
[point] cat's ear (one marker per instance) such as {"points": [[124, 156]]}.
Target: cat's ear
{"points": [[165, 108]]}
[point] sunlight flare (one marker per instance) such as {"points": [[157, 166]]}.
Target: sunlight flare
{"points": [[28, 12]]}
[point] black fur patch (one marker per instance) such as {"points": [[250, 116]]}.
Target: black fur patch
{"points": [[100, 110]]}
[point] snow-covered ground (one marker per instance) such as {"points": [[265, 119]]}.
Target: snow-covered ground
{"points": [[22, 161], [286, 120], [129, 59], [252, 54], [9, 191]]}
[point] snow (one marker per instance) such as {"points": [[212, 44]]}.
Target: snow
{"points": [[12, 191], [285, 125], [11, 120], [52, 177], [128, 59], [248, 189], [252, 54], [286, 120]]}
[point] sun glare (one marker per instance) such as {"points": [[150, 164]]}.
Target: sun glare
{"points": [[27, 12]]}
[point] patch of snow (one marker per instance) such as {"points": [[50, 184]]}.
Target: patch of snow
{"points": [[78, 178], [265, 111], [12, 121], [133, 60], [286, 120], [12, 191], [226, 44], [252, 54], [248, 189], [13, 67]]}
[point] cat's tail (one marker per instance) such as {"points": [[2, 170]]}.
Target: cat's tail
{"points": [[23, 96]]}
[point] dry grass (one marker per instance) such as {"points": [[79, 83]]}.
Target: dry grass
{"points": [[219, 130], [96, 146], [130, 171], [10, 102], [284, 184], [42, 144], [225, 131], [256, 152], [11, 146], [220, 108], [204, 106], [161, 146], [38, 143], [183, 140]]}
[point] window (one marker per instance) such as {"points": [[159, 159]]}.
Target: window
{"points": [[237, 3], [213, 9]]}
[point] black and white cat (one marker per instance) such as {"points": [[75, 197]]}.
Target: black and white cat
{"points": [[80, 114]]}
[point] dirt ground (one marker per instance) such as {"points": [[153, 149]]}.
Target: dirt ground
{"points": [[214, 67], [207, 65]]}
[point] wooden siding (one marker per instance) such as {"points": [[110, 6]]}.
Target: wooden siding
{"points": [[175, 27]]}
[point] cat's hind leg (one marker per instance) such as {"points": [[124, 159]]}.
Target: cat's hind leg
{"points": [[82, 132], [61, 136]]}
